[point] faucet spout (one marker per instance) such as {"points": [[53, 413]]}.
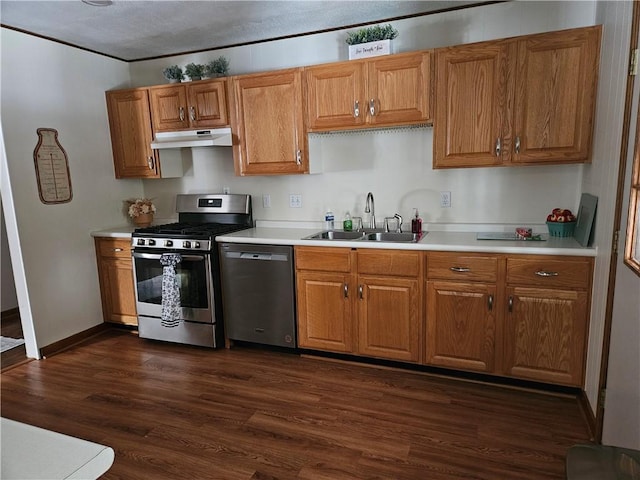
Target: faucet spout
{"points": [[370, 207]]}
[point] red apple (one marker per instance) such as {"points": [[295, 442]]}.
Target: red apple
{"points": [[566, 212], [561, 218], [557, 210], [549, 218], [571, 218], [552, 218]]}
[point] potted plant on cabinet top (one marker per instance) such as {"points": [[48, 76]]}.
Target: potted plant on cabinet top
{"points": [[173, 74], [194, 71], [371, 41], [217, 68]]}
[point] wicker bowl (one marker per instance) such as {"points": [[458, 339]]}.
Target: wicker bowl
{"points": [[561, 229]]}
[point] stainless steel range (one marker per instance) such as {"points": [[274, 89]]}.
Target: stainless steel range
{"points": [[200, 218]]}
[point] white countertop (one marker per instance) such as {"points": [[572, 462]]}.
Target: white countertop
{"points": [[458, 241]]}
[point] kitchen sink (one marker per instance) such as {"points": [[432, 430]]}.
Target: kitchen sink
{"points": [[367, 236]]}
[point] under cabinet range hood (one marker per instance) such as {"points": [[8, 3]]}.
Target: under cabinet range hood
{"points": [[218, 137]]}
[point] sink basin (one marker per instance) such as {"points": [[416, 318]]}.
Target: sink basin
{"points": [[393, 237], [335, 235]]}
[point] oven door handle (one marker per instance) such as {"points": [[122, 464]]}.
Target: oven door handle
{"points": [[156, 256]]}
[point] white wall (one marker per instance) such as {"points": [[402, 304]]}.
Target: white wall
{"points": [[8, 289], [45, 84], [600, 178], [622, 406], [394, 165]]}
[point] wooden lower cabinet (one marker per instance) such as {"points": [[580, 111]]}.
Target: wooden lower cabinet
{"points": [[461, 325], [115, 272], [341, 309]]}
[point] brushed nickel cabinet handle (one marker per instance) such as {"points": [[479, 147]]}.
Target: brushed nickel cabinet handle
{"points": [[518, 144], [182, 114], [372, 107], [498, 146], [346, 290], [117, 249], [543, 273], [510, 303], [460, 269], [192, 113], [298, 157], [150, 162], [360, 292], [490, 302], [356, 109]]}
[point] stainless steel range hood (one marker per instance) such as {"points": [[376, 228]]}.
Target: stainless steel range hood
{"points": [[218, 137]]}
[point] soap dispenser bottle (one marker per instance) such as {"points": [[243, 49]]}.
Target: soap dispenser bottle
{"points": [[416, 223]]}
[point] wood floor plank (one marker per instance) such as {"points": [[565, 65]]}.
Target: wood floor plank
{"points": [[173, 411]]}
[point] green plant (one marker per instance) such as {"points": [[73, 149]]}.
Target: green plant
{"points": [[194, 71], [371, 34], [217, 68], [174, 72]]}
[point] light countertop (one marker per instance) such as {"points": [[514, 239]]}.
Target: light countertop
{"points": [[456, 241]]}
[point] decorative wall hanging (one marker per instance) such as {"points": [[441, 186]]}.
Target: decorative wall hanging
{"points": [[52, 168]]}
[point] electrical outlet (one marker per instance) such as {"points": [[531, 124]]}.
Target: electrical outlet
{"points": [[226, 190], [445, 199], [266, 201], [295, 200]]}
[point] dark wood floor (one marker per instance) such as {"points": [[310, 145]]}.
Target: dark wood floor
{"points": [[10, 326], [174, 412]]}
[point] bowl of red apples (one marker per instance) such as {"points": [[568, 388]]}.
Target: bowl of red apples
{"points": [[561, 222]]}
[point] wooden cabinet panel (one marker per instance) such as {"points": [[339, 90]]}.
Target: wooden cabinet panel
{"points": [[463, 267], [550, 272], [471, 92], [389, 262], [389, 317], [131, 134], [545, 332], [323, 258], [461, 325], [335, 95], [399, 87], [115, 272], [269, 124], [208, 104], [324, 311], [555, 96], [169, 108]]}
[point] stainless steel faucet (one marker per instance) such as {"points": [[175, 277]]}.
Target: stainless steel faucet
{"points": [[398, 217], [370, 207]]}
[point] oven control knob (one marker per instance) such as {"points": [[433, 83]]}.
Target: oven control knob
{"points": [[196, 244], [186, 244], [168, 243], [152, 241], [140, 241]]}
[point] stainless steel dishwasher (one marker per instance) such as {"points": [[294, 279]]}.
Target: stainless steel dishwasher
{"points": [[258, 293]]}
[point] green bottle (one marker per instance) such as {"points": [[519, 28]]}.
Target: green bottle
{"points": [[347, 224]]}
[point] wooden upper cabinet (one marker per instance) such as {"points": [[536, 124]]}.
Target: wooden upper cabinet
{"points": [[201, 104], [470, 110], [384, 91], [526, 100], [131, 134], [268, 123], [555, 96]]}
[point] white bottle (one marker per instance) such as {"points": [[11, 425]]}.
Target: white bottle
{"points": [[328, 220]]}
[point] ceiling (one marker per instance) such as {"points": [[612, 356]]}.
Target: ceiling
{"points": [[133, 30]]}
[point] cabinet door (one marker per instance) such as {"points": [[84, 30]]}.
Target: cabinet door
{"points": [[131, 135], [268, 119], [399, 89], [471, 105], [324, 311], [116, 281], [208, 104], [389, 316], [168, 107], [461, 325], [555, 96], [545, 334], [335, 96]]}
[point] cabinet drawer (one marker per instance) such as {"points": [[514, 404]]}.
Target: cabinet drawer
{"points": [[114, 247], [550, 272], [389, 262], [459, 266], [323, 259]]}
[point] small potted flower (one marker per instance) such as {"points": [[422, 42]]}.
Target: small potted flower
{"points": [[217, 68], [194, 71], [141, 210], [173, 74], [370, 41]]}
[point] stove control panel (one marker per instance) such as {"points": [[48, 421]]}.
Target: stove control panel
{"points": [[170, 244]]}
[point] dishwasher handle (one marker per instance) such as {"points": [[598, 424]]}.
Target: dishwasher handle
{"points": [[277, 257]]}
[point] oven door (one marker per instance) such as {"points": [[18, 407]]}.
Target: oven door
{"points": [[194, 281]]}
